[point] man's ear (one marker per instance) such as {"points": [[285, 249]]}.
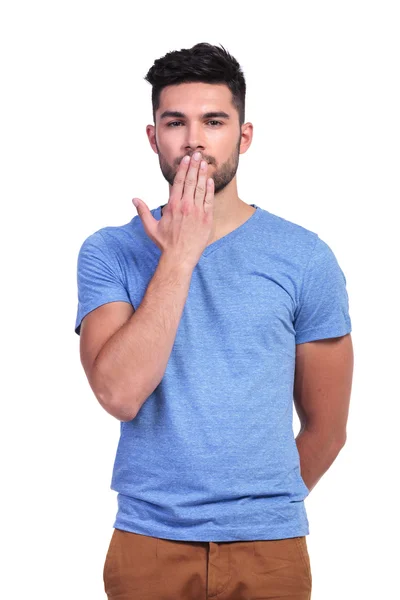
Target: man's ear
{"points": [[151, 134], [246, 137]]}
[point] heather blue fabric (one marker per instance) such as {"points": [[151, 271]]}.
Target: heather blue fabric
{"points": [[211, 454]]}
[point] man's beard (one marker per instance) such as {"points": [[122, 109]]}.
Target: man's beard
{"points": [[222, 176]]}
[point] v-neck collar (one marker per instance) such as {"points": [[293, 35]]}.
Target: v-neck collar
{"points": [[225, 238]]}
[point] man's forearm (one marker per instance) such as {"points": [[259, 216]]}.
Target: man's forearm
{"points": [[133, 361], [317, 453]]}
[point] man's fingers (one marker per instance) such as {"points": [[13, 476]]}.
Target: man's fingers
{"points": [[149, 222], [179, 180], [191, 177], [201, 185], [209, 199]]}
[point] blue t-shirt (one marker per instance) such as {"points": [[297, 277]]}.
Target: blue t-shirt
{"points": [[211, 454]]}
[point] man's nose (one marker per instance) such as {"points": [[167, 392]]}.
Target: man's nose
{"points": [[194, 141]]}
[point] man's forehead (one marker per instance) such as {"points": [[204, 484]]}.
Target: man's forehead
{"points": [[196, 99]]}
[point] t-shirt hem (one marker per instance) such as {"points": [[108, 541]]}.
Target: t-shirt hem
{"points": [[85, 310], [215, 535], [321, 333]]}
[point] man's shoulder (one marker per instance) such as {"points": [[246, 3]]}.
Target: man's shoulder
{"points": [[286, 226], [120, 238], [285, 237]]}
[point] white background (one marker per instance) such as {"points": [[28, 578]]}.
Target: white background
{"points": [[323, 96]]}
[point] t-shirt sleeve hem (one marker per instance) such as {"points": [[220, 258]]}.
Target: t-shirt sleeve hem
{"points": [[89, 307], [321, 333]]}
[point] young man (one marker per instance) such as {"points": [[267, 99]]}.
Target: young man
{"points": [[201, 322]]}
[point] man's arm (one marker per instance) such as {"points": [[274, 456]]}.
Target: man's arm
{"points": [[125, 355], [322, 389], [125, 367]]}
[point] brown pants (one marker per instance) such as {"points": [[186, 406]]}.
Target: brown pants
{"points": [[141, 567]]}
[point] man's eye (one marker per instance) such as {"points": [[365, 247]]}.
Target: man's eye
{"points": [[180, 123]]}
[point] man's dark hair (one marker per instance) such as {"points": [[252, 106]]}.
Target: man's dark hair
{"points": [[203, 62]]}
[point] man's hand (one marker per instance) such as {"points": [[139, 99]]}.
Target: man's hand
{"points": [[186, 223]]}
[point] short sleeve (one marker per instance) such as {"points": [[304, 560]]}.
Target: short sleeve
{"points": [[99, 277], [323, 307]]}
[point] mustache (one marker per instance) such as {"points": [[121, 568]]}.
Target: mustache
{"points": [[178, 161]]}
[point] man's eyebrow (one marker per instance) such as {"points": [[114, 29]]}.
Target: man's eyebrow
{"points": [[180, 115]]}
